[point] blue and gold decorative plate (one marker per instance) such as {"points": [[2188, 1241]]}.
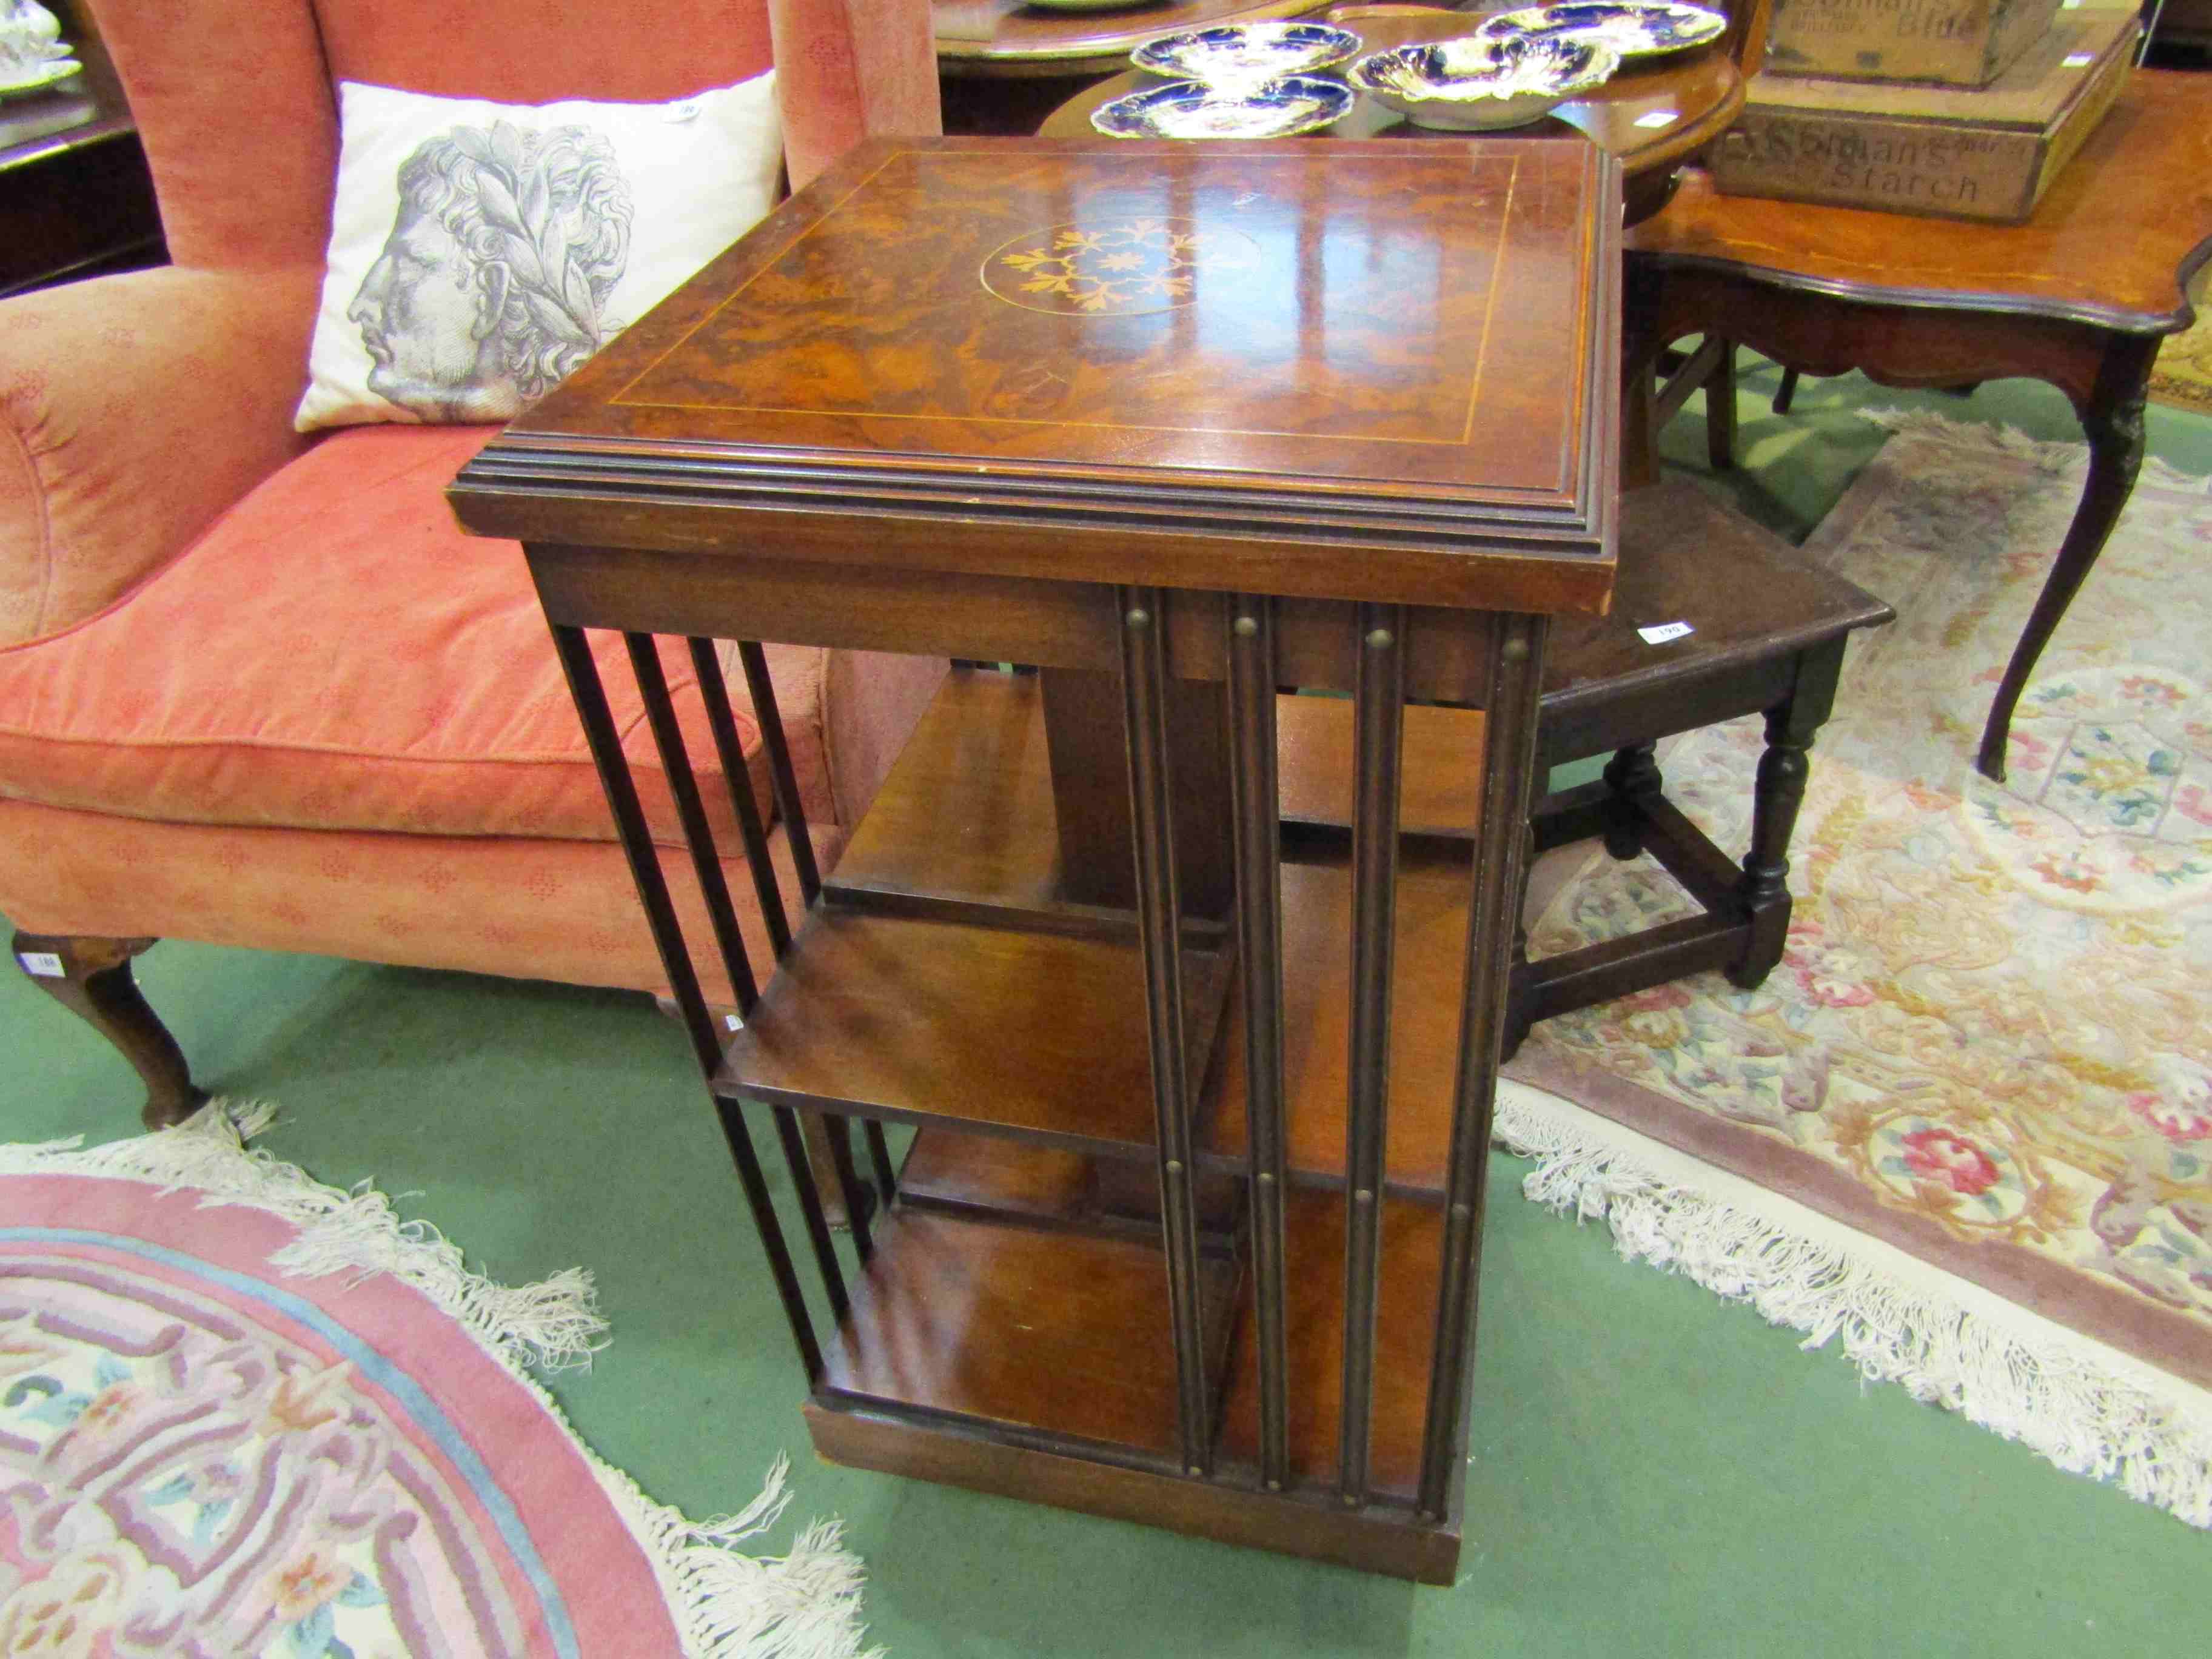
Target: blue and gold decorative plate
{"points": [[1634, 28], [1190, 109], [1474, 85], [1242, 54]]}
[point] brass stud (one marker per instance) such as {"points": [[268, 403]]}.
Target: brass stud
{"points": [[1461, 1213], [1266, 1178], [1380, 639], [1363, 1197], [1194, 1472], [1139, 617], [1246, 627], [1274, 1485], [1175, 1166], [1515, 651]]}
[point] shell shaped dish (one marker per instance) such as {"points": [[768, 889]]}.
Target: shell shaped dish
{"points": [[1191, 109], [1634, 28], [1476, 85], [1242, 54], [51, 73]]}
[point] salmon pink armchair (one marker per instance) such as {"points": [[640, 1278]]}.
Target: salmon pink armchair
{"points": [[256, 688]]}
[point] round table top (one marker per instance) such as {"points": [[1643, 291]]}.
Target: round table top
{"points": [[1005, 37], [1651, 115]]}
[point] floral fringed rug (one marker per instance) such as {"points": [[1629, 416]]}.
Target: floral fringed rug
{"points": [[1966, 1128], [241, 1414], [2183, 374]]}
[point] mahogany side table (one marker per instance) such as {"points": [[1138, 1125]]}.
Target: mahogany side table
{"points": [[2079, 297], [1190, 1232]]}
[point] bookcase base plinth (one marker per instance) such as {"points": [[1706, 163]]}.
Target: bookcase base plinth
{"points": [[1379, 1538]]}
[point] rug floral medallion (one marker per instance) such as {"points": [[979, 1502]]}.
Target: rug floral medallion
{"points": [[226, 1431], [203, 1461], [1988, 1040]]}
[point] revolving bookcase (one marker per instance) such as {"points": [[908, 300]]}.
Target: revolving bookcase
{"points": [[1186, 1229]]}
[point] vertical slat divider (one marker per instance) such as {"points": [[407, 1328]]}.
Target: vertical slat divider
{"points": [[848, 1183], [1500, 851], [1258, 840], [810, 1206], [1144, 685], [1379, 716], [879, 1154], [589, 696], [707, 865], [731, 752], [715, 692], [785, 781], [787, 805], [691, 813]]}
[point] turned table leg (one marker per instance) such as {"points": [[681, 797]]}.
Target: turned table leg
{"points": [[92, 978], [1631, 777], [1779, 791], [2112, 418]]}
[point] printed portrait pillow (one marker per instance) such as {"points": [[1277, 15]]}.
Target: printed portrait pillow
{"points": [[479, 253]]}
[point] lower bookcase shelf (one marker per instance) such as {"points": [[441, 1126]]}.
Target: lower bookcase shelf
{"points": [[1046, 1337], [1036, 1359], [1011, 1329]]}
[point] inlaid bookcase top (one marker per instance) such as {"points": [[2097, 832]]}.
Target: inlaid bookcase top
{"points": [[1187, 1231], [1206, 365]]}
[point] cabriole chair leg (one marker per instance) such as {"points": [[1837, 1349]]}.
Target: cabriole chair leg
{"points": [[92, 978]]}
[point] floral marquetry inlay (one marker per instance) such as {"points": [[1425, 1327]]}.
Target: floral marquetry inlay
{"points": [[1121, 270]]}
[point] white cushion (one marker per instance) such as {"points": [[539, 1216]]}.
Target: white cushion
{"points": [[529, 236]]}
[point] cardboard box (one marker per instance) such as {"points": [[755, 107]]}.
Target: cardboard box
{"points": [[1933, 150], [1960, 43]]}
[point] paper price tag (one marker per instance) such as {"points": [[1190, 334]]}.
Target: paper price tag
{"points": [[733, 1022], [2081, 58], [45, 963], [1664, 632], [1659, 118]]}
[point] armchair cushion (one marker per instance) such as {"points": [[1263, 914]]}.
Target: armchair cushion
{"points": [[334, 654], [480, 251]]}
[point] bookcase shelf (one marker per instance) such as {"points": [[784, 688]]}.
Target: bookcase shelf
{"points": [[868, 1014]]}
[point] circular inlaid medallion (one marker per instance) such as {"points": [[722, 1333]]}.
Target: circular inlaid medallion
{"points": [[1115, 268]]}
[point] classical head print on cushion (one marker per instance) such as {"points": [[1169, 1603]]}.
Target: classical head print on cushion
{"points": [[493, 284], [480, 253]]}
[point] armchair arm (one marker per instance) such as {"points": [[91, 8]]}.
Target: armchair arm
{"points": [[133, 409], [847, 69]]}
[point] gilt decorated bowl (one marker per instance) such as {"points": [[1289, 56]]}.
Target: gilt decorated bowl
{"points": [[1242, 54], [1634, 28], [1191, 109], [1477, 84]]}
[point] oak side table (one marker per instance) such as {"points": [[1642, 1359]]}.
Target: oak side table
{"points": [[1188, 1234]]}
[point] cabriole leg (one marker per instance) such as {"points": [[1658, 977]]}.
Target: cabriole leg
{"points": [[92, 978]]}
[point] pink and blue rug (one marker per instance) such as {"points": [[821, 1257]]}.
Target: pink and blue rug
{"points": [[241, 1414]]}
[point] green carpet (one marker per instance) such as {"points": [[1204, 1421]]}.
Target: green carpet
{"points": [[1655, 1472]]}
